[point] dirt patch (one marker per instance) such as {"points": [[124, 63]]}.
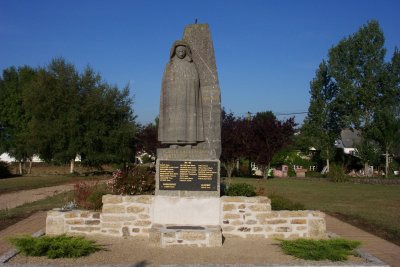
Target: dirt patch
{"points": [[135, 251]]}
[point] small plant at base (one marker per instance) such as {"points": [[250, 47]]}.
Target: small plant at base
{"points": [[240, 189], [88, 196], [337, 249], [132, 181], [55, 247]]}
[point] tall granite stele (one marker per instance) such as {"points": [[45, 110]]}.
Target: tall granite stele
{"points": [[187, 196]]}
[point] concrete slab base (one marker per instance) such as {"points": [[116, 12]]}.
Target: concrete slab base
{"points": [[184, 235]]}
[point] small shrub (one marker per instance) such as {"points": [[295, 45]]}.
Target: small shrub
{"points": [[281, 203], [337, 174], [89, 196], [240, 189], [135, 180], [4, 170], [95, 199], [331, 249], [55, 247]]}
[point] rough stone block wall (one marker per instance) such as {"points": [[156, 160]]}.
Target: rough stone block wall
{"points": [[252, 217], [240, 216], [121, 216], [126, 215], [76, 221]]}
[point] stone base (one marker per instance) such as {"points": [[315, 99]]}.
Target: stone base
{"points": [[186, 211], [192, 236]]}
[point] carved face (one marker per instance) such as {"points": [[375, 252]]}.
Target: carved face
{"points": [[180, 51]]}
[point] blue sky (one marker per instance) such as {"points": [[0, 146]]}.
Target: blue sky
{"points": [[266, 51]]}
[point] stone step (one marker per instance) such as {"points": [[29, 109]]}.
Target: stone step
{"points": [[185, 235]]}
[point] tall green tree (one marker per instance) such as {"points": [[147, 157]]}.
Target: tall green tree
{"points": [[53, 101], [321, 127], [108, 122], [14, 117], [364, 84], [357, 65]]}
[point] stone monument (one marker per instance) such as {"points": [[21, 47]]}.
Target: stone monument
{"points": [[188, 171], [187, 209]]}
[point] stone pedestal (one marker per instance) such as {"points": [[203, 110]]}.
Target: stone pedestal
{"points": [[186, 207], [171, 236]]}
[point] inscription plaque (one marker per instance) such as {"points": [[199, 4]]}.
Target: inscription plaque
{"points": [[188, 175]]}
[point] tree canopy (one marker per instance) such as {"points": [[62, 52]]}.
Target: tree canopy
{"points": [[355, 88], [58, 113]]}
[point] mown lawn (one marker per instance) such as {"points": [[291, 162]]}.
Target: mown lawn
{"points": [[376, 208], [31, 182], [11, 216]]}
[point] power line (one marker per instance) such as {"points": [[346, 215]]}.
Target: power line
{"points": [[291, 113]]}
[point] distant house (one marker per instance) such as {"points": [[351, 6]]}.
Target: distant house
{"points": [[5, 157], [348, 141]]}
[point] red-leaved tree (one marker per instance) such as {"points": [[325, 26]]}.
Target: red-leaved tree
{"points": [[268, 136]]}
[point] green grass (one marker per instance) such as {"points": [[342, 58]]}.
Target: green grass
{"points": [[330, 249], [32, 182], [55, 246], [375, 208], [281, 203], [11, 216]]}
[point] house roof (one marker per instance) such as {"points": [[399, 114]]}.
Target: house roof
{"points": [[350, 137]]}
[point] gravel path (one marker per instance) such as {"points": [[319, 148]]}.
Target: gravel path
{"points": [[15, 199], [134, 251]]}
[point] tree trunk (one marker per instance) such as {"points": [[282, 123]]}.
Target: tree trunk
{"points": [[327, 165], [20, 167], [72, 166], [229, 167], [30, 166], [265, 174], [366, 168], [387, 163]]}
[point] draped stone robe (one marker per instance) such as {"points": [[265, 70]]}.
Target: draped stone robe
{"points": [[181, 120]]}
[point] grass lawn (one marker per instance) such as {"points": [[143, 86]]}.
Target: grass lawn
{"points": [[375, 208], [31, 182], [11, 216]]}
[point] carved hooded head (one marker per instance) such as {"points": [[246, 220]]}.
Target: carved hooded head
{"points": [[188, 56]]}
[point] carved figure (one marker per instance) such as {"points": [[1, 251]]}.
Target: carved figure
{"points": [[181, 119]]}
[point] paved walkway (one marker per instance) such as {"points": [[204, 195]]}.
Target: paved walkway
{"points": [[29, 226], [18, 198], [378, 247], [382, 249]]}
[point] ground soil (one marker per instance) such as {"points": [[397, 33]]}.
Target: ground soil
{"points": [[135, 251], [130, 251]]}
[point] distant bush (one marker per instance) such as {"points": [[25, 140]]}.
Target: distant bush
{"points": [[281, 203], [240, 189], [4, 170], [55, 247], [139, 179], [331, 249], [337, 174]]}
